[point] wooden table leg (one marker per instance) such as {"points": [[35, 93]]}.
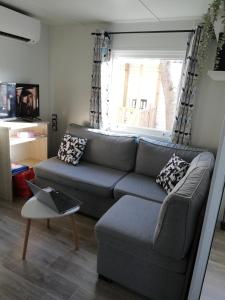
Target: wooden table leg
{"points": [[48, 223], [26, 238], [75, 231]]}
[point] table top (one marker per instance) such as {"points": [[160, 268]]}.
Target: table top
{"points": [[34, 209]]}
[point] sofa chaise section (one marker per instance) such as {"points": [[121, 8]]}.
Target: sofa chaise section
{"points": [[147, 246], [125, 237], [130, 226]]}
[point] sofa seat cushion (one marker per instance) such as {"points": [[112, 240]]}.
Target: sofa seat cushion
{"points": [[129, 226], [141, 186], [85, 176]]}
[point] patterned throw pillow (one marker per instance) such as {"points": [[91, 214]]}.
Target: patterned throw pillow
{"points": [[172, 173], [71, 149]]}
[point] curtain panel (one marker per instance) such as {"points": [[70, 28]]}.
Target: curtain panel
{"points": [[181, 133], [101, 53]]}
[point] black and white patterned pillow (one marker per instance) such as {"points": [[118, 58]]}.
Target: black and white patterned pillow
{"points": [[71, 149], [172, 173]]}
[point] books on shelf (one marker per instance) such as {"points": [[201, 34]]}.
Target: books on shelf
{"points": [[17, 168]]}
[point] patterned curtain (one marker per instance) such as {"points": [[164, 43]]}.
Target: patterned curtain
{"points": [[102, 53], [183, 121]]}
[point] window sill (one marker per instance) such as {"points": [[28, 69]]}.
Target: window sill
{"points": [[144, 132]]}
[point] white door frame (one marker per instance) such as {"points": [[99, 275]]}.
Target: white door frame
{"points": [[210, 219]]}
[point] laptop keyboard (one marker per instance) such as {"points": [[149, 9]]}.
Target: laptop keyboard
{"points": [[63, 202]]}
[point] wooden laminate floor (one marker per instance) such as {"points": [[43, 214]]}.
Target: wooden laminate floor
{"points": [[214, 283], [53, 270]]}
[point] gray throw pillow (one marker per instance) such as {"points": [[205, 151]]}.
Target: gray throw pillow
{"points": [[71, 149], [172, 173]]}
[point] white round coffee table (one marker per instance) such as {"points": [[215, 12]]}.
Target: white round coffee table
{"points": [[34, 209]]}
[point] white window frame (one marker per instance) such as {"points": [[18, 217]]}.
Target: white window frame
{"points": [[148, 132]]}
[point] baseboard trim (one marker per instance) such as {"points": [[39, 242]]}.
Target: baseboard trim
{"points": [[222, 225], [102, 277]]}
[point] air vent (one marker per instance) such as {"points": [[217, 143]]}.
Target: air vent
{"points": [[19, 26], [13, 36]]}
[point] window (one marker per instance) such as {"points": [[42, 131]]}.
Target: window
{"points": [[143, 93]]}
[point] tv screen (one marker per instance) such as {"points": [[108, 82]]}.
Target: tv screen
{"points": [[7, 100], [27, 100]]}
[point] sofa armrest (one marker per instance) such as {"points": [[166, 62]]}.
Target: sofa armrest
{"points": [[171, 230], [178, 217]]}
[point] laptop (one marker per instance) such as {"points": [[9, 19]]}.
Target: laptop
{"points": [[56, 200]]}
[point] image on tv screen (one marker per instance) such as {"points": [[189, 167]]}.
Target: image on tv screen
{"points": [[7, 100], [27, 100]]}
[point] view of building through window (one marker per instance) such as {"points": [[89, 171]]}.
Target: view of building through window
{"points": [[144, 92]]}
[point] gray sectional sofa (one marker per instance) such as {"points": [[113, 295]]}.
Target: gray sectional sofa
{"points": [[147, 240]]}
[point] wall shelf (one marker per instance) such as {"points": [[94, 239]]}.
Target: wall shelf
{"points": [[217, 75], [15, 125], [29, 162], [17, 141]]}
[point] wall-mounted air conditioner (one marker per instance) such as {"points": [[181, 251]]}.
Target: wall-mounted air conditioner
{"points": [[19, 26]]}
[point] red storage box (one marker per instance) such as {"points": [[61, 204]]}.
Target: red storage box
{"points": [[20, 187]]}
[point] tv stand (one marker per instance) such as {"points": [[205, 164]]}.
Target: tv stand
{"points": [[30, 120], [26, 149]]}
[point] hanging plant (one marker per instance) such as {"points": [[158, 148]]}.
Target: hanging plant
{"points": [[216, 9]]}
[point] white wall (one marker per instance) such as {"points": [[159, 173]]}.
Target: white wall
{"points": [[25, 63], [70, 72], [70, 75], [210, 108]]}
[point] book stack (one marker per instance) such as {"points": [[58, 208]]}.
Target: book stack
{"points": [[17, 168]]}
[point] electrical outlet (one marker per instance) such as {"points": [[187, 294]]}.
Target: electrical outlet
{"points": [[54, 122]]}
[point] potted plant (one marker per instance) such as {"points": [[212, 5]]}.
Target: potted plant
{"points": [[213, 28]]}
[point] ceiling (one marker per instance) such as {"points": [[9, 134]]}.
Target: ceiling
{"points": [[115, 11]]}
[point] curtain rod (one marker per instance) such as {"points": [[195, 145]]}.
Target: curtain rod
{"points": [[137, 32]]}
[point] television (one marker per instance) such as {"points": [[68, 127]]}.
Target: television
{"points": [[7, 101], [27, 101]]}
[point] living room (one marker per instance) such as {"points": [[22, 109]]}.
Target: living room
{"points": [[126, 134]]}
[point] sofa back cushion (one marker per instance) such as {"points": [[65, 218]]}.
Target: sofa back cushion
{"points": [[153, 155], [109, 150], [180, 211]]}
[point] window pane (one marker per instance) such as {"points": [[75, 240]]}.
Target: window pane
{"points": [[144, 92]]}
